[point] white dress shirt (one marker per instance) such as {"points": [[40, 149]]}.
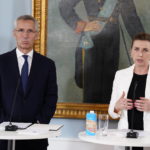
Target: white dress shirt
{"points": [[21, 59]]}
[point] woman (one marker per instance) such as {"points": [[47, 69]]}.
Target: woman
{"points": [[131, 89]]}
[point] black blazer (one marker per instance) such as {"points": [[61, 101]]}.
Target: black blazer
{"points": [[39, 101]]}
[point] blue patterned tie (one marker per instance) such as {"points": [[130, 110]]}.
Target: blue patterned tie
{"points": [[24, 73]]}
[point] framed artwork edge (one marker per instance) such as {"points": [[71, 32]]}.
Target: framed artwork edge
{"points": [[64, 110]]}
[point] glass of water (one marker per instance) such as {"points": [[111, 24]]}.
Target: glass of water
{"points": [[102, 126]]}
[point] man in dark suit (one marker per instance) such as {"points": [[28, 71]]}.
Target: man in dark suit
{"points": [[97, 55], [35, 76]]}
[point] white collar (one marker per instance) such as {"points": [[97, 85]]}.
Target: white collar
{"points": [[19, 53], [132, 68]]}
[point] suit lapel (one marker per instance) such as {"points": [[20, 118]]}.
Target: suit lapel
{"points": [[13, 69], [147, 90]]}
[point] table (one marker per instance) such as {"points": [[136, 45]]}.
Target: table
{"points": [[36, 131], [118, 138]]}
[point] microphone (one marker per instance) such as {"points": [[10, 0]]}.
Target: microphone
{"points": [[131, 133], [12, 127]]}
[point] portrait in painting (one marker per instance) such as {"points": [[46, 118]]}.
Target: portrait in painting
{"points": [[89, 41]]}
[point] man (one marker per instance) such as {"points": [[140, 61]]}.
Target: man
{"points": [[32, 77], [97, 55]]}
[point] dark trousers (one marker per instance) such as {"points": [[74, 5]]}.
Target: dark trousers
{"points": [[25, 145]]}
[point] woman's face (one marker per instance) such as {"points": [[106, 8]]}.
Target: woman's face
{"points": [[140, 53]]}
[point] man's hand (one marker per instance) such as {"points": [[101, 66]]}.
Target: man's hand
{"points": [[80, 26], [92, 26], [87, 26]]}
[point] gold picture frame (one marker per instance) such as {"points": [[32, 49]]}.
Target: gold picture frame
{"points": [[64, 110]]}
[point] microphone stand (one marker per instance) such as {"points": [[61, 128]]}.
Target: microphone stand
{"points": [[12, 127], [132, 133]]}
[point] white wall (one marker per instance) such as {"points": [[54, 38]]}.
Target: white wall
{"points": [[9, 11]]}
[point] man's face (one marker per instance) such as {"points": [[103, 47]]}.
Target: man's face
{"points": [[140, 53], [25, 34]]}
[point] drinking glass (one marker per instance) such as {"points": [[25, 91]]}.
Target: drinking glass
{"points": [[102, 126]]}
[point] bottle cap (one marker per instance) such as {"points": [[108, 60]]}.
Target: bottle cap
{"points": [[92, 111]]}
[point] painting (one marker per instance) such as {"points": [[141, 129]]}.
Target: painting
{"points": [[87, 56]]}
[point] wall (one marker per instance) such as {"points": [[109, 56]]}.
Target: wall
{"points": [[9, 11]]}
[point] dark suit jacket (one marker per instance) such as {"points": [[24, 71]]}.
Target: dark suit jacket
{"points": [[39, 102]]}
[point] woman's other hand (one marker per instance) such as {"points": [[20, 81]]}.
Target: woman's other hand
{"points": [[143, 104]]}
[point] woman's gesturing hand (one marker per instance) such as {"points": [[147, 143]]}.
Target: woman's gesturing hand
{"points": [[123, 103]]}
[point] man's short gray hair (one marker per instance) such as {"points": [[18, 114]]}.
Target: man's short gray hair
{"points": [[27, 17]]}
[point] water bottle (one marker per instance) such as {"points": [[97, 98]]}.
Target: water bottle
{"points": [[91, 123]]}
